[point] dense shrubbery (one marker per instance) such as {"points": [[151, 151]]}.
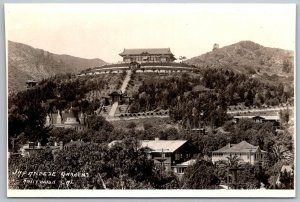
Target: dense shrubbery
{"points": [[120, 167], [123, 166], [208, 95]]}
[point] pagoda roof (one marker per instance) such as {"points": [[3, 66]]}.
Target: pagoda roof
{"points": [[150, 51]]}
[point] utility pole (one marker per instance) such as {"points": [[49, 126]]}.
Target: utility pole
{"points": [[162, 159]]}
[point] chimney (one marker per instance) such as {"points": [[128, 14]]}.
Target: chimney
{"points": [[229, 145], [61, 145], [156, 139]]}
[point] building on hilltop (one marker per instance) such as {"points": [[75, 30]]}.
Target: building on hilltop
{"points": [[66, 120], [246, 152], [31, 83], [147, 55]]}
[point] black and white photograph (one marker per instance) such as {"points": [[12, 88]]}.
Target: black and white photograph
{"points": [[150, 100]]}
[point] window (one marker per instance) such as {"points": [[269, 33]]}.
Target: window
{"points": [[177, 157]]}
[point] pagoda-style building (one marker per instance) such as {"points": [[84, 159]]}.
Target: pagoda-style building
{"points": [[147, 55], [116, 96]]}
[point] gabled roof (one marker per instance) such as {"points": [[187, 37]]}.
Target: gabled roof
{"points": [[168, 146], [151, 51], [257, 117], [242, 147]]}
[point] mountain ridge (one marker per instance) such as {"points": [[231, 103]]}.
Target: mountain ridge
{"points": [[26, 62], [247, 57]]}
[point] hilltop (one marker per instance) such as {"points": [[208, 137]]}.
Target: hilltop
{"points": [[249, 58], [26, 62]]}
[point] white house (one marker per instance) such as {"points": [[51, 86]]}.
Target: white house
{"points": [[246, 152]]}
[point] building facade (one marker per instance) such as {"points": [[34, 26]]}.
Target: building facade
{"points": [[246, 152], [166, 153], [259, 119], [154, 55], [66, 120], [169, 153]]}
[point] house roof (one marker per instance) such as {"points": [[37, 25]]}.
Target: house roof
{"points": [[151, 51], [243, 117], [116, 92], [258, 117], [168, 146], [275, 118], [242, 147]]}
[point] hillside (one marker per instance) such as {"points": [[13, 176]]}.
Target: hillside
{"points": [[250, 58], [26, 62]]}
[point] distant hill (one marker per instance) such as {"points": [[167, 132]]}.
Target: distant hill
{"points": [[26, 62], [250, 58]]}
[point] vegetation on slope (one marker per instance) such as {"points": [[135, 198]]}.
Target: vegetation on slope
{"points": [[26, 62]]}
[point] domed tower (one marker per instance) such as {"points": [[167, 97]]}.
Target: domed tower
{"points": [[216, 47]]}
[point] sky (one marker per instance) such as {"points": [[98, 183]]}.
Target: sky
{"points": [[104, 30]]}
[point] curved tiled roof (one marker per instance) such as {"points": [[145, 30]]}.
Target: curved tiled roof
{"points": [[150, 51]]}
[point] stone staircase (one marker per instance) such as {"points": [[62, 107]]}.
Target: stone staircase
{"points": [[126, 81], [123, 89], [113, 109]]}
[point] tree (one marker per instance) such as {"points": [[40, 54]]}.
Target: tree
{"points": [[201, 175], [286, 180], [99, 123]]}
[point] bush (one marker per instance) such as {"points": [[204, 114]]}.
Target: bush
{"points": [[131, 125], [147, 126]]}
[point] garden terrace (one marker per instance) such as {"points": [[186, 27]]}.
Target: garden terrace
{"points": [[143, 67]]}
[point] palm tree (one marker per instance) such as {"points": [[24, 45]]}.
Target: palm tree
{"points": [[280, 152], [233, 161]]}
